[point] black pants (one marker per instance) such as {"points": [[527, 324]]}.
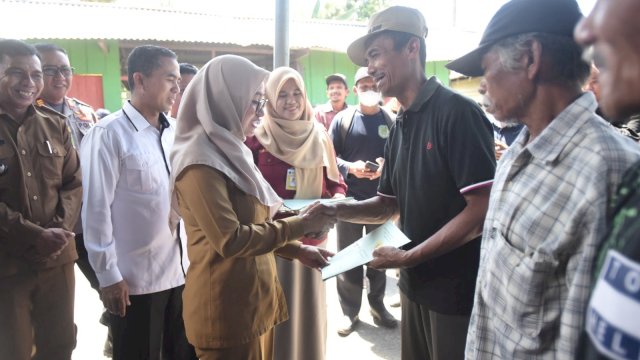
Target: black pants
{"points": [[83, 263], [152, 328], [350, 282]]}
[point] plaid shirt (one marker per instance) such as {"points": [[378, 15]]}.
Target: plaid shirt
{"points": [[547, 215]]}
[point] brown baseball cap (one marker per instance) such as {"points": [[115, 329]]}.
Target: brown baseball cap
{"points": [[395, 18]]}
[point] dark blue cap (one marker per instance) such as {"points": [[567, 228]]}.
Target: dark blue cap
{"points": [[558, 17]]}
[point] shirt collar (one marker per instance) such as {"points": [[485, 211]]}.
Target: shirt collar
{"points": [[557, 135], [30, 111], [327, 107], [135, 117], [425, 93]]}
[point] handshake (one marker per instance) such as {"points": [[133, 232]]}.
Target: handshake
{"points": [[318, 219]]}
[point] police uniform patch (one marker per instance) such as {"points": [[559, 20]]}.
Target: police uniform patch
{"points": [[84, 126]]}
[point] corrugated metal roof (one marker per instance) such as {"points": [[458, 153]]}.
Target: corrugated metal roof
{"points": [[76, 20]]}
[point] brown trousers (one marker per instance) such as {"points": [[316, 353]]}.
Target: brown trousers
{"points": [[36, 308], [260, 348]]}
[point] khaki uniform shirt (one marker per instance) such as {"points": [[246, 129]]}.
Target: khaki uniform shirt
{"points": [[80, 119], [232, 293], [40, 186]]}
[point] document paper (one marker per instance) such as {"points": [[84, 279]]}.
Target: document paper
{"points": [[299, 204], [361, 251]]}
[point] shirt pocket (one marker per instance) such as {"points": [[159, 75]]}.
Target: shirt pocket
{"points": [[50, 159], [138, 174], [518, 285]]}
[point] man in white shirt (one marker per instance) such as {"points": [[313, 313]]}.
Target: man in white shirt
{"points": [[126, 206]]}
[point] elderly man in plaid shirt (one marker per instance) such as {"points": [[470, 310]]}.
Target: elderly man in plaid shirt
{"points": [[548, 206]]}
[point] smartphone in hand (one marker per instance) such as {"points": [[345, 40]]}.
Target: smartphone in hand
{"points": [[371, 166]]}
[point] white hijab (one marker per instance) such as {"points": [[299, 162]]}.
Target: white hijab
{"points": [[209, 127]]}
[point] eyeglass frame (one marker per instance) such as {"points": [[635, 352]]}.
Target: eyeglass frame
{"points": [[47, 70], [260, 104]]}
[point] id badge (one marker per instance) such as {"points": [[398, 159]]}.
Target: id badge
{"points": [[291, 179]]}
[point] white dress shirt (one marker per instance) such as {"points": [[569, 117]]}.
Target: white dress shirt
{"points": [[126, 203]]}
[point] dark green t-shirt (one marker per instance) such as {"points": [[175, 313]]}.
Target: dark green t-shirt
{"points": [[612, 330]]}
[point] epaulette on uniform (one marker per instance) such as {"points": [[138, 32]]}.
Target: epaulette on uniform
{"points": [[82, 103], [44, 110], [82, 110]]}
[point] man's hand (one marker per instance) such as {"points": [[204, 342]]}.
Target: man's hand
{"points": [[378, 172], [313, 256], [387, 257], [318, 218], [116, 298], [51, 243], [359, 170]]}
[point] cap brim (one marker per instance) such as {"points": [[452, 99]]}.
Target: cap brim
{"points": [[471, 63], [356, 51]]}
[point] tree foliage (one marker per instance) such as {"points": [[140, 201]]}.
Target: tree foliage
{"points": [[355, 10]]}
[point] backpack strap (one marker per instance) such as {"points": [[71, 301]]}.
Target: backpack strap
{"points": [[388, 117], [346, 120]]}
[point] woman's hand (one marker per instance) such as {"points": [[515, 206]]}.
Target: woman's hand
{"points": [[313, 257], [318, 219]]}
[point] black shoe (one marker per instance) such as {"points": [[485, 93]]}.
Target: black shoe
{"points": [[382, 317], [347, 325]]}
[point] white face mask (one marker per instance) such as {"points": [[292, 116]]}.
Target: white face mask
{"points": [[369, 98]]}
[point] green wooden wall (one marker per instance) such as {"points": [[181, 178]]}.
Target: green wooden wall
{"points": [[88, 58], [317, 64]]}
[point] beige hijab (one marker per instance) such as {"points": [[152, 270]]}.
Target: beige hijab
{"points": [[302, 143], [209, 127]]}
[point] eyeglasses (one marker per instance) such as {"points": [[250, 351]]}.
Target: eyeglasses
{"points": [[53, 71], [259, 104]]}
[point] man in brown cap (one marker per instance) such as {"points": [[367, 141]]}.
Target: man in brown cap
{"points": [[548, 208], [612, 29], [438, 169]]}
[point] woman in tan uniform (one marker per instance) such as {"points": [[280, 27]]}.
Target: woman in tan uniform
{"points": [[232, 296]]}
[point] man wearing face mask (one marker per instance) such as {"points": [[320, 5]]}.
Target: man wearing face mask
{"points": [[359, 135]]}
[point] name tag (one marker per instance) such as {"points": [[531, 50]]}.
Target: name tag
{"points": [[290, 183], [612, 315]]}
